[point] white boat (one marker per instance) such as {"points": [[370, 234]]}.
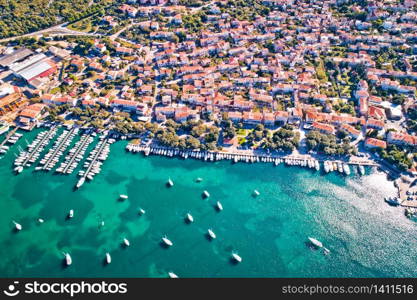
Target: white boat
{"points": [[41, 220], [326, 167], [236, 257], [166, 241], [80, 182], [170, 182], [71, 213], [361, 170], [17, 226], [346, 169], [317, 165], [68, 259], [141, 211], [392, 201], [211, 234], [256, 193], [315, 242], [172, 275], [123, 197], [206, 194], [199, 179], [219, 206], [126, 242], [108, 258], [189, 218]]}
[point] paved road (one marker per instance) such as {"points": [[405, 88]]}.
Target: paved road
{"points": [[60, 29]]}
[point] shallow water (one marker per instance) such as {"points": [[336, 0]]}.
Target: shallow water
{"points": [[366, 237]]}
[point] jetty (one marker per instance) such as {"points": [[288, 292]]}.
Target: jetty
{"points": [[248, 156], [8, 136], [52, 157], [75, 155], [94, 161], [37, 146]]}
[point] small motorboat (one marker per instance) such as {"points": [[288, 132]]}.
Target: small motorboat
{"points": [[71, 214], [17, 226], [316, 243], [123, 197], [236, 258], [189, 218], [172, 275], [206, 194], [170, 183], [68, 259], [256, 193], [108, 258], [211, 234], [219, 206], [167, 242], [126, 242]]}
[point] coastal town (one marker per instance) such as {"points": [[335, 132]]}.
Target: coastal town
{"points": [[300, 82]]}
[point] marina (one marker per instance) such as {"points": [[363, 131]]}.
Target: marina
{"points": [[140, 181], [61, 144], [26, 158], [289, 160], [75, 155], [94, 161]]}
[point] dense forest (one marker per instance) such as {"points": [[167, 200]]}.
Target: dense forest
{"points": [[18, 17]]}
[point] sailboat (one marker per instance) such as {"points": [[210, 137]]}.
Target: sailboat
{"points": [[108, 258], [236, 257], [68, 259], [17, 226]]}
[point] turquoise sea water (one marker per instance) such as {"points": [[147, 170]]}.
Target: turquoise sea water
{"points": [[367, 238]]}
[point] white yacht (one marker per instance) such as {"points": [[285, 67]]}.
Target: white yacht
{"points": [[206, 194], [361, 170], [199, 179], [68, 259], [141, 211], [172, 275], [108, 258], [80, 182], [126, 242], [346, 169], [123, 197], [71, 213], [211, 234], [166, 241], [189, 218], [17, 226], [170, 182], [256, 193], [315, 242], [236, 257], [219, 206], [41, 220]]}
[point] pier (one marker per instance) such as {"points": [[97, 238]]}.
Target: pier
{"points": [[244, 155], [100, 152], [80, 148], [57, 151], [9, 135], [34, 153]]}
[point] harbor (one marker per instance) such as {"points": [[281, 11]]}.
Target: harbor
{"points": [[288, 201], [26, 158], [94, 161], [61, 144], [75, 155], [309, 161]]}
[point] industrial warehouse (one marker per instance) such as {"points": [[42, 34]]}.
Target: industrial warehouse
{"points": [[32, 67]]}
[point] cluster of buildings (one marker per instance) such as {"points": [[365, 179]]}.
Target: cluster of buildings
{"points": [[263, 71]]}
